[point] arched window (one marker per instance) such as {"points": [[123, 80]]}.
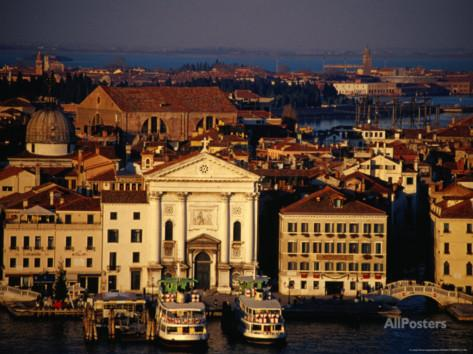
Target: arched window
{"points": [[237, 231], [446, 268], [469, 269], [168, 231]]}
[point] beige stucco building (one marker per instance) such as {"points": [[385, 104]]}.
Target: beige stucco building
{"points": [[330, 243], [452, 228], [51, 227]]}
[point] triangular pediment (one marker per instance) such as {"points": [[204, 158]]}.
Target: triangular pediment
{"points": [[203, 239], [201, 166]]}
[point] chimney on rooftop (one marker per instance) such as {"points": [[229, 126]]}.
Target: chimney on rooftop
{"points": [[25, 203], [97, 150], [51, 198]]}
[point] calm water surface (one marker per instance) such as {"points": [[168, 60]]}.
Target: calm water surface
{"points": [[65, 336]]}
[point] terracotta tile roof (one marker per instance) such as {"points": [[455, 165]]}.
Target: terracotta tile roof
{"points": [[462, 210], [82, 204], [321, 202], [170, 99], [245, 95], [123, 197], [10, 171], [286, 172], [170, 163], [459, 131], [41, 195]]}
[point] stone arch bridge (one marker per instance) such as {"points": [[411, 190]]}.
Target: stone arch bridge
{"points": [[403, 289]]}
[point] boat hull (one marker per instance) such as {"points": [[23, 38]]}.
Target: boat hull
{"points": [[183, 340]]}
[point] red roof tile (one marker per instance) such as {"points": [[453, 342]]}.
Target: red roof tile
{"points": [[170, 99], [321, 202]]}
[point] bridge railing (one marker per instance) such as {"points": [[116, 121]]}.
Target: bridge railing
{"points": [[428, 288]]}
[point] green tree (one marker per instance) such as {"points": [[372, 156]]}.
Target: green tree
{"points": [[60, 286]]}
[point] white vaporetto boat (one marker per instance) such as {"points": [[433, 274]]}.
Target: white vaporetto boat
{"points": [[180, 315], [259, 316]]}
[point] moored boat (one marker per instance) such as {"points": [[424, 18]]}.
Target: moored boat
{"points": [[259, 316], [180, 315]]}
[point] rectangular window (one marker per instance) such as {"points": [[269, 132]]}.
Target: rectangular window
{"points": [[341, 228], [304, 266], [135, 279], [112, 235], [353, 285], [341, 247], [378, 267], [366, 228], [90, 242], [354, 228], [89, 262], [328, 266], [7, 188], [113, 215], [341, 267], [136, 257], [316, 266], [13, 245], [353, 267], [136, 215], [317, 228], [365, 267], [317, 247], [304, 227], [50, 263], [50, 242], [26, 242], [68, 262], [37, 242], [469, 249], [410, 180], [329, 228], [291, 266], [353, 248], [315, 284], [379, 248], [378, 228], [90, 218], [329, 247], [68, 219], [366, 248], [469, 228], [68, 242], [292, 227], [37, 262], [305, 247], [292, 247], [12, 262], [303, 284], [26, 262], [446, 248], [446, 227], [136, 235], [112, 260]]}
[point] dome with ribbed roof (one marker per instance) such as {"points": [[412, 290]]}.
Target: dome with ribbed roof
{"points": [[48, 133]]}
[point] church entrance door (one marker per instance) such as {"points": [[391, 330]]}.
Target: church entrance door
{"points": [[202, 270]]}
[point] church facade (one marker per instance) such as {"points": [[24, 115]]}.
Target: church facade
{"points": [[204, 216]]}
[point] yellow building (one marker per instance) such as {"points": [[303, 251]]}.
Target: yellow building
{"points": [[452, 223], [49, 227], [331, 244]]}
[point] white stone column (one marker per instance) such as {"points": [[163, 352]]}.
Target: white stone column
{"points": [[182, 235], [225, 222], [153, 223], [159, 227], [255, 227]]}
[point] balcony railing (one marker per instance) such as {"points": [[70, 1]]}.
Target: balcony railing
{"points": [[113, 268]]}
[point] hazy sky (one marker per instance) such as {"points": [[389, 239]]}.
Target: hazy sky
{"points": [[278, 24]]}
